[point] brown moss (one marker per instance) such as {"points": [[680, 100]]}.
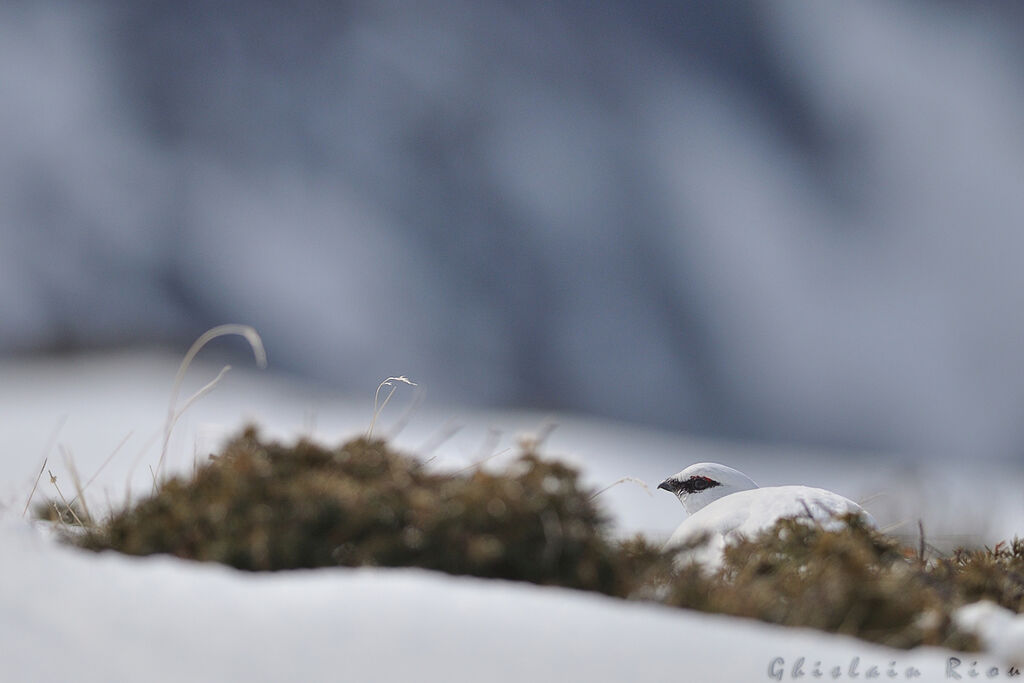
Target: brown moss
{"points": [[854, 581], [995, 574], [266, 506]]}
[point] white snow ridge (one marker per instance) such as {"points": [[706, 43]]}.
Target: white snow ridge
{"points": [[725, 504]]}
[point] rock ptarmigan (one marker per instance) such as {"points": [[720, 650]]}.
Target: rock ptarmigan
{"points": [[725, 503]]}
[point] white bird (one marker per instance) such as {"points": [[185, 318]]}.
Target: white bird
{"points": [[725, 503]]}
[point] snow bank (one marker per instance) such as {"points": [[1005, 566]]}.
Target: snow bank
{"points": [[72, 615]]}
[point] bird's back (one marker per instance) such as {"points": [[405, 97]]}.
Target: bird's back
{"points": [[748, 513]]}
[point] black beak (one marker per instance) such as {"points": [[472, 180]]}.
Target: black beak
{"points": [[667, 486]]}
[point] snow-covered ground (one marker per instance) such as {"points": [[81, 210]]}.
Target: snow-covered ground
{"points": [[66, 614]]}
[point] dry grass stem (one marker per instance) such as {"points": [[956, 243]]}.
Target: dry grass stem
{"points": [[34, 486], [69, 462], [438, 438], [46, 456], [259, 354], [71, 510], [106, 462], [631, 480], [406, 416], [379, 407]]}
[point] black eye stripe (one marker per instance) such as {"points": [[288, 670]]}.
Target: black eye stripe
{"points": [[696, 483]]}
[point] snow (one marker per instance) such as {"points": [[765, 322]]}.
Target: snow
{"points": [[70, 615], [1000, 630], [66, 614]]}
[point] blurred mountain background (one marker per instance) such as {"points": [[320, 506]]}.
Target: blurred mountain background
{"points": [[782, 222]]}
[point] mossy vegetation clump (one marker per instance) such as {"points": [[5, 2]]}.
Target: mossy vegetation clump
{"points": [[995, 574], [854, 581], [261, 506]]}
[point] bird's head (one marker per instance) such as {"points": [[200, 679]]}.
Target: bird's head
{"points": [[705, 482]]}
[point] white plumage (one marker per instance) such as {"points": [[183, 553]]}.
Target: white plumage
{"points": [[725, 503]]}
